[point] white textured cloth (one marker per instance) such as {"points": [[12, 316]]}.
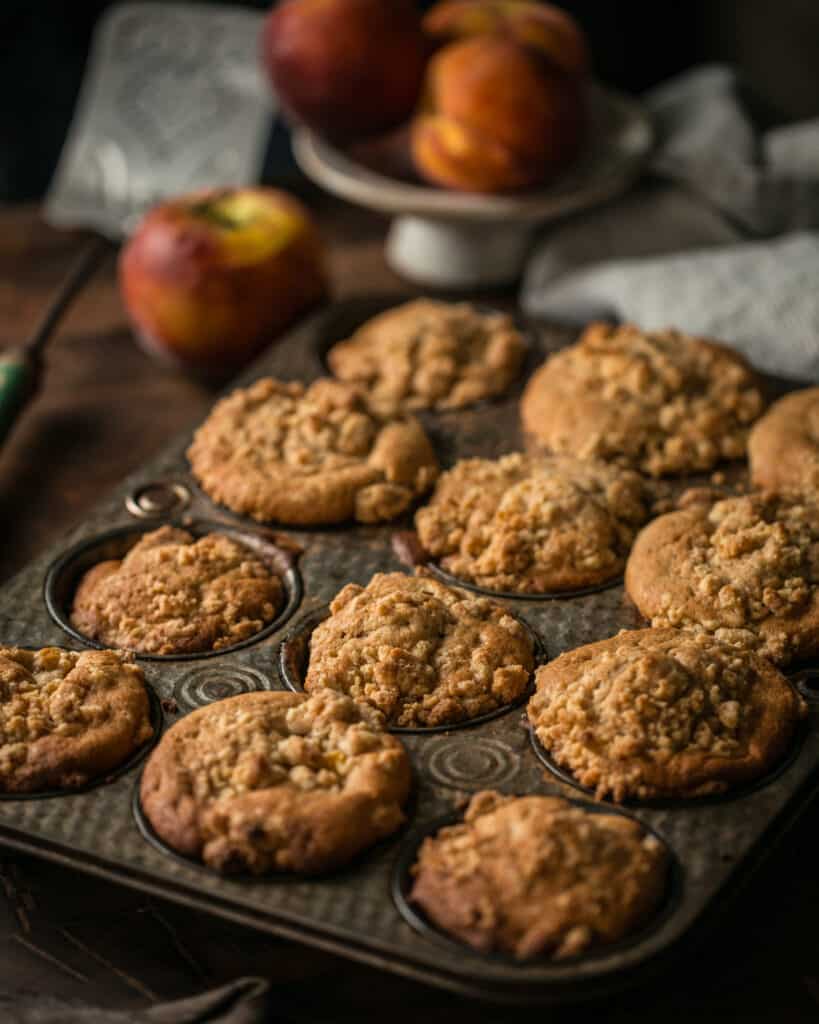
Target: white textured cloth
{"points": [[717, 242]]}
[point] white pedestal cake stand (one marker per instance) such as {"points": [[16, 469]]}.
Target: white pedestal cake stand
{"points": [[446, 239]]}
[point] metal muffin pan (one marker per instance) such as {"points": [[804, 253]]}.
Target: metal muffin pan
{"points": [[352, 912]]}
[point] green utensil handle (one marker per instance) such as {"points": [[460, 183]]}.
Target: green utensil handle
{"points": [[18, 381]]}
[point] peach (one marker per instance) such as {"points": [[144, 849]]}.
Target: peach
{"points": [[347, 68], [495, 117], [210, 278], [542, 27]]}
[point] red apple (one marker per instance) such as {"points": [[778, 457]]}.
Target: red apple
{"points": [[347, 68], [208, 279]]}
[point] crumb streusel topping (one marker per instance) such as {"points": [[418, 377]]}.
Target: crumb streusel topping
{"points": [[422, 653], [314, 744], [175, 594], [742, 569], [535, 874], [660, 401], [282, 451], [66, 716], [427, 354], [533, 524], [662, 713]]}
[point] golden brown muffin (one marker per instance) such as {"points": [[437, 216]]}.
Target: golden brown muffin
{"points": [[427, 354], [280, 451], [535, 875], [663, 713], [174, 594], [783, 447], [659, 401], [533, 525], [423, 653], [67, 717], [745, 569], [274, 781]]}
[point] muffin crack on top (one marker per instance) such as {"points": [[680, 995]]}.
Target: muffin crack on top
{"points": [[663, 402], [175, 594], [663, 713], [274, 781], [533, 524], [535, 875], [281, 451], [430, 355], [745, 569], [67, 717], [783, 448], [422, 653]]}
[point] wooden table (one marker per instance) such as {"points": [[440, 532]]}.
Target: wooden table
{"points": [[104, 409]]}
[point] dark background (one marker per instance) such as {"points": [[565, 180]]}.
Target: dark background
{"points": [[43, 46]]}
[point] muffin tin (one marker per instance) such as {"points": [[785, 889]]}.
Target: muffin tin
{"points": [[359, 912]]}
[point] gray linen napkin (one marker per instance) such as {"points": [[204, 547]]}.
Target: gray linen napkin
{"points": [[715, 242], [241, 1002]]}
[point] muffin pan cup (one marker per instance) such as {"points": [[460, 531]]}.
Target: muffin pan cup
{"points": [[294, 652], [351, 912]]}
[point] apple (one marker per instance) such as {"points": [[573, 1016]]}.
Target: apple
{"points": [[208, 279], [348, 69]]}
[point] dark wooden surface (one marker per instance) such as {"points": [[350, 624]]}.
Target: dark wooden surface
{"points": [[104, 409]]}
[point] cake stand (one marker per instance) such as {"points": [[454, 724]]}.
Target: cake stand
{"points": [[446, 239]]}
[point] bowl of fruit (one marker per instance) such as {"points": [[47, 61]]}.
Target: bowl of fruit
{"points": [[473, 127]]}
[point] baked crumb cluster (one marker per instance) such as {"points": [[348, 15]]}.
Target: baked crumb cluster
{"points": [[655, 712], [173, 593], [533, 524], [280, 451], [431, 355], [660, 401], [755, 558], [422, 653], [536, 874], [313, 745], [65, 713]]}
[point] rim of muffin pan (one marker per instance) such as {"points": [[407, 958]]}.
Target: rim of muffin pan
{"points": [[66, 571], [151, 836], [517, 595], [339, 324], [134, 759], [806, 681], [401, 884], [293, 652], [732, 793]]}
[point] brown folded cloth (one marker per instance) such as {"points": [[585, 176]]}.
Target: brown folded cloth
{"points": [[244, 1001]]}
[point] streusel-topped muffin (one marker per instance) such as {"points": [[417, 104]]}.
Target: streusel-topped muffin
{"points": [[274, 781], [284, 452], [745, 569], [533, 524], [423, 653], [428, 354], [176, 594], [68, 717], [662, 402], [537, 875], [663, 713], [783, 447]]}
